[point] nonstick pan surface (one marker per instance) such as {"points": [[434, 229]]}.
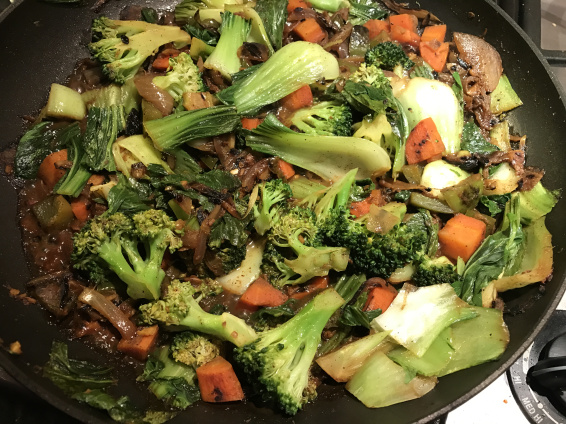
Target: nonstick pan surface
{"points": [[40, 43]]}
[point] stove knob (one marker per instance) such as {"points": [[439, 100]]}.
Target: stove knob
{"points": [[548, 375]]}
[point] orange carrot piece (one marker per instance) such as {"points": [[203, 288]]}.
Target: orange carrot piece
{"points": [[250, 123], [309, 30], [296, 4], [80, 209], [361, 208], [435, 32], [379, 298], [376, 27], [261, 293], [409, 22], [140, 345], [285, 168], [435, 54], [316, 284], [48, 171], [461, 236], [95, 179], [298, 99], [404, 36], [424, 142], [218, 382], [161, 63]]}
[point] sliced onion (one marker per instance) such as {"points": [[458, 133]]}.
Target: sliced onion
{"points": [[109, 311], [483, 58], [158, 97]]}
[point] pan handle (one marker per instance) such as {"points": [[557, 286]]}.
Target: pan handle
{"points": [[527, 13]]}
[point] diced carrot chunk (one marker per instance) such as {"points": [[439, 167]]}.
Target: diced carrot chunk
{"points": [[404, 36], [316, 284], [261, 293], [376, 27], [218, 382], [310, 30], [461, 236], [361, 208], [424, 142], [161, 63], [379, 298], [409, 22], [435, 32], [140, 345], [435, 54], [250, 123], [298, 99], [285, 168], [296, 4], [48, 170], [80, 209]]}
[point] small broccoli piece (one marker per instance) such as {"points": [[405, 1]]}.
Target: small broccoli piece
{"points": [[170, 380], [181, 310], [387, 56], [113, 241], [296, 229], [371, 75], [193, 349], [230, 256], [174, 130], [123, 46], [233, 32], [277, 364], [435, 271], [273, 194], [184, 77], [274, 268], [325, 118]]}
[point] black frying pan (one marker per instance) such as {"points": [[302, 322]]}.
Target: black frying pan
{"points": [[39, 44]]}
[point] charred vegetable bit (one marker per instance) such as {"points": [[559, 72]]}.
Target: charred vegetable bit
{"points": [[277, 364]]}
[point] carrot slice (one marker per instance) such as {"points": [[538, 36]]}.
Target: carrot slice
{"points": [[376, 27], [424, 142], [298, 99], [435, 32], [285, 169], [250, 123], [48, 171], [218, 382], [309, 30], [316, 284], [140, 345], [161, 63], [379, 298], [296, 4], [404, 36], [461, 236], [261, 293], [435, 54], [80, 209], [409, 22], [361, 208]]}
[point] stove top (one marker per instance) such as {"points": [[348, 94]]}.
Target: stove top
{"points": [[507, 400]]}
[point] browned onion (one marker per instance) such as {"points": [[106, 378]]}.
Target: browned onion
{"points": [[158, 97], [483, 58], [109, 311]]}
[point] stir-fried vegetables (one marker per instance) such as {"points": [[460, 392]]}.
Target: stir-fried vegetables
{"points": [[268, 188]]}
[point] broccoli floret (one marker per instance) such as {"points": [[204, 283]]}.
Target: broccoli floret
{"points": [[376, 254], [181, 310], [371, 75], [123, 46], [184, 77], [296, 229], [233, 32], [272, 195], [277, 364], [193, 349], [435, 271], [330, 157], [113, 241], [387, 56], [172, 381], [273, 266], [174, 130], [325, 118], [230, 256]]}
